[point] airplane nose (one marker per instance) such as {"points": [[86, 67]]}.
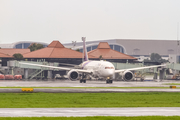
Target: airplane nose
{"points": [[110, 72]]}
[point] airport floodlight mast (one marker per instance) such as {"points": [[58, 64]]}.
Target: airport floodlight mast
{"points": [[177, 53], [84, 49], [74, 44]]}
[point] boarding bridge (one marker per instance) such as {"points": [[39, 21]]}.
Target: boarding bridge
{"points": [[161, 71], [140, 74], [35, 70], [38, 70]]}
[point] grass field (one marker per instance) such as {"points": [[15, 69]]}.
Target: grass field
{"points": [[60, 100], [172, 84], [94, 118]]}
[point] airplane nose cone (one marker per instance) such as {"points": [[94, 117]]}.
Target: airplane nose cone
{"points": [[110, 73]]}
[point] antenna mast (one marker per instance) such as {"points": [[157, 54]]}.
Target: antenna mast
{"points": [[177, 39]]}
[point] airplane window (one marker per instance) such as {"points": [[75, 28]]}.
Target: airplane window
{"points": [[109, 67]]}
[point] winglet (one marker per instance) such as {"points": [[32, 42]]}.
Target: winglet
{"points": [[84, 49]]}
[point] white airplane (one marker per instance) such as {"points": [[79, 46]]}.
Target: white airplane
{"points": [[96, 69]]}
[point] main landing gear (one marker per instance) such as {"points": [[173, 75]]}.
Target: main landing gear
{"points": [[83, 80], [109, 81]]}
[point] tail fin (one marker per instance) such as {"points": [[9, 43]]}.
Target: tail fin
{"points": [[84, 49]]}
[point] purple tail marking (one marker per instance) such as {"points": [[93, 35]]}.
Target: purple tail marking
{"points": [[84, 49]]}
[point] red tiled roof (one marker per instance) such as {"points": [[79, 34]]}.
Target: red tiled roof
{"points": [[2, 55], [108, 53], [103, 45], [54, 50], [11, 52], [56, 44]]}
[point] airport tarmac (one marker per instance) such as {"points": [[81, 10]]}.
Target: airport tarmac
{"points": [[76, 86], [82, 112], [68, 83], [83, 90]]}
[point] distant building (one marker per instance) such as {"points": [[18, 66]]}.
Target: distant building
{"points": [[105, 52], [133, 47], [21, 44], [56, 52], [6, 54]]}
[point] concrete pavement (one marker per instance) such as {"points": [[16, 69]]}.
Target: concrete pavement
{"points": [[84, 90], [81, 112], [68, 83]]}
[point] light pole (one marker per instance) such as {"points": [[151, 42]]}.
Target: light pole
{"points": [[74, 44]]}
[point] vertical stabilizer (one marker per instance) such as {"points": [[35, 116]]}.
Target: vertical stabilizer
{"points": [[84, 49]]}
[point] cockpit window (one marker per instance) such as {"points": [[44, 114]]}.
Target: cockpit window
{"points": [[109, 67]]}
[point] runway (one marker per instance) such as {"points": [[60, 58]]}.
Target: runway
{"points": [[81, 112], [68, 83], [89, 87]]}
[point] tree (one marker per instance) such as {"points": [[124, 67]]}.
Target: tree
{"points": [[35, 46], [155, 57], [78, 50], [100, 57], [18, 56]]}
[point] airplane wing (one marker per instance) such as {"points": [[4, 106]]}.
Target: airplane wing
{"points": [[138, 68], [68, 64], [61, 68]]}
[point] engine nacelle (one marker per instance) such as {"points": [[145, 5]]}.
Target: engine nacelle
{"points": [[127, 75], [73, 75]]}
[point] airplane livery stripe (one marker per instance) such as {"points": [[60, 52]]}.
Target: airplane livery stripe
{"points": [[85, 64]]}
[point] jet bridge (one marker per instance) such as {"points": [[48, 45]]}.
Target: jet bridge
{"points": [[140, 73], [39, 71], [31, 71], [160, 71]]}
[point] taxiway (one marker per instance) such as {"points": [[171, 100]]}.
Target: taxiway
{"points": [[82, 112]]}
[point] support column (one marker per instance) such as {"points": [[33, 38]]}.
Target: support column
{"points": [[162, 74], [49, 74], [155, 76], [25, 73]]}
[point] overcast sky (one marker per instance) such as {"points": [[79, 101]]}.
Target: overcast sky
{"points": [[69, 20]]}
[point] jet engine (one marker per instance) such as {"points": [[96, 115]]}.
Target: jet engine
{"points": [[127, 75], [73, 75]]}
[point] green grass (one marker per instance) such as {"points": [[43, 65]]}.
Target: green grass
{"points": [[61, 100], [172, 84], [94, 118]]}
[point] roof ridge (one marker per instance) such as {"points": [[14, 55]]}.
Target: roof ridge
{"points": [[51, 53], [123, 54], [103, 45], [92, 51], [6, 54], [56, 44], [34, 51]]}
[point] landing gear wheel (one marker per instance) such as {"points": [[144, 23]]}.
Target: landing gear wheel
{"points": [[82, 81], [109, 81]]}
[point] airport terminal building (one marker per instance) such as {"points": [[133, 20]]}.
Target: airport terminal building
{"points": [[115, 50], [139, 48]]}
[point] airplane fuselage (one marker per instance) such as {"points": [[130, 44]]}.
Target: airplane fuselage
{"points": [[99, 68]]}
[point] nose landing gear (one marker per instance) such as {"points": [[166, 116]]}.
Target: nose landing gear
{"points": [[109, 81]]}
